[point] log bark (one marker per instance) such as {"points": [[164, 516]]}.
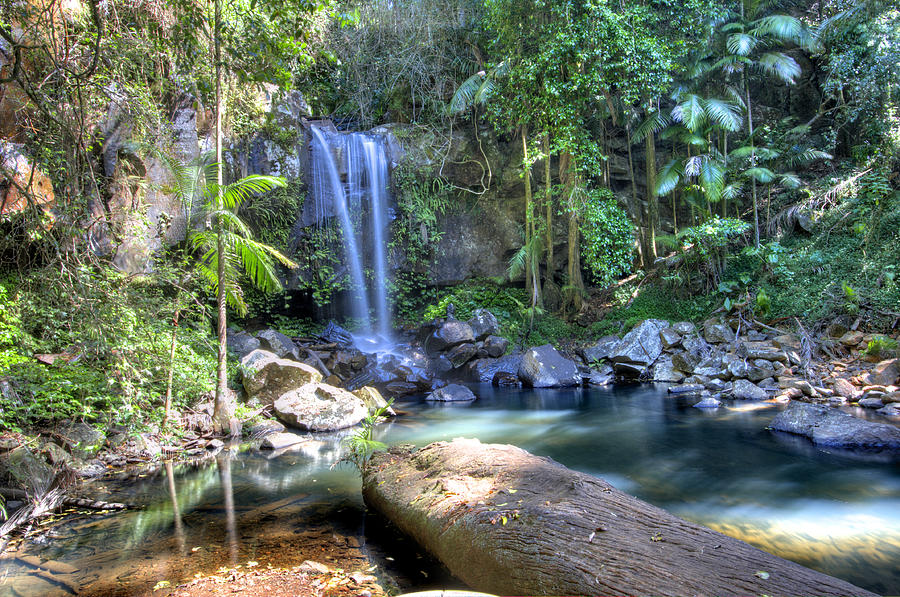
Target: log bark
{"points": [[510, 523]]}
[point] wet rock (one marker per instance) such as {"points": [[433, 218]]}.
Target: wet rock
{"points": [[639, 348], [266, 427], [496, 346], [373, 400], [483, 324], [452, 393], [850, 339], [760, 370], [696, 346], [320, 407], [277, 441], [601, 377], [745, 390], [669, 338], [890, 410], [240, 343], [762, 350], [461, 354], [685, 361], [484, 370], [400, 388], [336, 334], [664, 370], [448, 335], [717, 332], [601, 350], [871, 402], [267, 377], [439, 366], [56, 455], [737, 368], [845, 389], [88, 469], [885, 373], [688, 388], [718, 385], [505, 379], [82, 440], [708, 402], [685, 328], [20, 467], [144, 444], [544, 367], [831, 427], [278, 343]]}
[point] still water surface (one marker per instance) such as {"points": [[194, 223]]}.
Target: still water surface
{"points": [[837, 512]]}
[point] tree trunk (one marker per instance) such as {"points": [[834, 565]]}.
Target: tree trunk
{"points": [[752, 165], [510, 523], [652, 199], [569, 181], [548, 203], [532, 280], [220, 416]]}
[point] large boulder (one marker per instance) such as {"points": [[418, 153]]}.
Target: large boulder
{"points": [[81, 439], [544, 367], [22, 468], [278, 343], [266, 377], [717, 332], [453, 392], [449, 334], [484, 370], [320, 407], [483, 324], [495, 346], [373, 400], [665, 371], [639, 348], [240, 342], [885, 373], [830, 427], [745, 390], [461, 354], [601, 350]]}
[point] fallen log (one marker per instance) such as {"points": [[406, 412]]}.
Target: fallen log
{"points": [[510, 523]]}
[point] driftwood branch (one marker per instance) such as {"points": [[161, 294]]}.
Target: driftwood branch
{"points": [[510, 523]]}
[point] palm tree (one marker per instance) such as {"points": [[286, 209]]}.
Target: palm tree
{"points": [[751, 41], [224, 244]]}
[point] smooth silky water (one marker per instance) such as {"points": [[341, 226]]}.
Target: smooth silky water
{"points": [[838, 512]]}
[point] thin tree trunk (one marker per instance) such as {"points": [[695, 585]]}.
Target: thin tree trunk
{"points": [[752, 165], [576, 284], [652, 199], [548, 201], [636, 208], [171, 363], [220, 416], [526, 166]]}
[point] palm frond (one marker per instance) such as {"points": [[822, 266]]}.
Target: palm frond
{"points": [[760, 174], [234, 194], [732, 191], [692, 166], [723, 113], [782, 27], [805, 156], [668, 177], [790, 180], [464, 97], [779, 65], [741, 44], [712, 179], [653, 123], [690, 112]]}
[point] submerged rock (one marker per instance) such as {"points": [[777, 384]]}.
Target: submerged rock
{"points": [[320, 407], [453, 392], [484, 370], [745, 390], [708, 402], [280, 440], [830, 427], [544, 367]]}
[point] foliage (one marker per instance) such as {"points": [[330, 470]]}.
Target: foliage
{"points": [[362, 444], [651, 301], [421, 200], [705, 247], [607, 238], [881, 346], [114, 334]]}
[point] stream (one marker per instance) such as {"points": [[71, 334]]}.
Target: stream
{"points": [[834, 511]]}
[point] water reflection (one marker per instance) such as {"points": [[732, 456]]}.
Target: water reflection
{"points": [[835, 511]]}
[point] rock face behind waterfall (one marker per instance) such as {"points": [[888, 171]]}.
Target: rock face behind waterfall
{"points": [[510, 523]]}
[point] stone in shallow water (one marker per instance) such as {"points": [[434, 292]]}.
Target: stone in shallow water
{"points": [[639, 348], [277, 441], [544, 367], [708, 402], [452, 393], [831, 427], [320, 407]]}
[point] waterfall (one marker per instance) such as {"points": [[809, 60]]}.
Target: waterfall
{"points": [[349, 178]]}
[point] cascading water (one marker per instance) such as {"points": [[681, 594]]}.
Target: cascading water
{"points": [[350, 173]]}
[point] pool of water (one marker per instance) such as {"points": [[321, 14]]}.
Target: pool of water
{"points": [[838, 512]]}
